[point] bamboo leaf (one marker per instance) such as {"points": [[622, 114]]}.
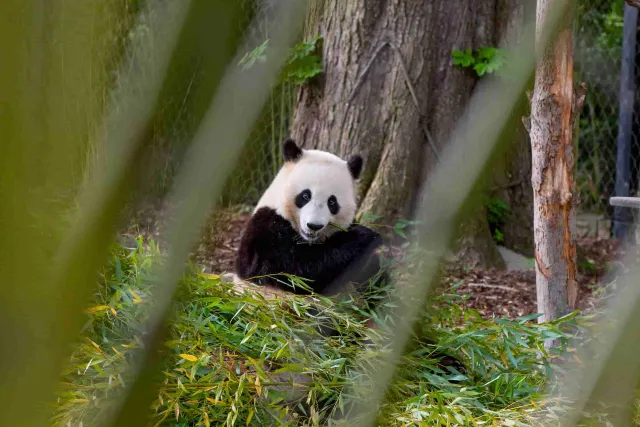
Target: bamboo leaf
{"points": [[189, 357]]}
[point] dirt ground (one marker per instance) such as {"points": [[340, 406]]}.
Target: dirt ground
{"points": [[493, 293]]}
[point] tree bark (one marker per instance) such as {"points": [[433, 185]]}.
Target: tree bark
{"points": [[553, 113], [390, 92], [633, 3], [512, 179]]}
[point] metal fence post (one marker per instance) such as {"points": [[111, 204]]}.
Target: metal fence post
{"points": [[622, 216]]}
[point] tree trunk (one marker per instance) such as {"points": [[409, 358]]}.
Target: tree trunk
{"points": [[553, 113], [512, 179], [633, 3], [512, 186], [390, 92]]}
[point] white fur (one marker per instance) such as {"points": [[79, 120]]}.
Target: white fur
{"points": [[324, 174]]}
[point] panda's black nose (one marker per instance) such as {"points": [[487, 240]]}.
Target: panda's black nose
{"points": [[315, 227]]}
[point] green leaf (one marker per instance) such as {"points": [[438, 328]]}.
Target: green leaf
{"points": [[550, 335], [486, 52], [512, 359], [369, 217], [528, 317], [302, 64], [118, 269], [480, 68], [399, 229], [256, 55], [293, 367], [462, 58]]}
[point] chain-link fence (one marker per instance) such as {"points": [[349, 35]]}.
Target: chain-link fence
{"points": [[262, 155], [598, 48], [185, 101], [188, 86], [598, 62]]}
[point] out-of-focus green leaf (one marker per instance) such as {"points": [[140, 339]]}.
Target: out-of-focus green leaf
{"points": [[52, 82]]}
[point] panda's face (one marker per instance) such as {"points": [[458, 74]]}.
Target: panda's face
{"points": [[320, 198], [313, 190]]}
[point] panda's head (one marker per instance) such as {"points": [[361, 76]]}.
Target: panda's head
{"points": [[318, 191]]}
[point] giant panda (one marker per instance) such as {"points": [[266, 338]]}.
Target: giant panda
{"points": [[290, 232], [303, 226]]}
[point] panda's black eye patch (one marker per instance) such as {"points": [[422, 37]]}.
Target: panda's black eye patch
{"points": [[334, 206], [303, 198]]}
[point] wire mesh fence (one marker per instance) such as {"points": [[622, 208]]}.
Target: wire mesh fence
{"points": [[184, 101], [261, 157], [598, 48], [598, 61]]}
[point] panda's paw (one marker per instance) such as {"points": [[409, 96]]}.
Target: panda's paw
{"points": [[361, 230], [366, 236]]}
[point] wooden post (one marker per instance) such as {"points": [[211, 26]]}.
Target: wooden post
{"points": [[554, 108]]}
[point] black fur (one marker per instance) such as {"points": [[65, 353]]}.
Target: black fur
{"points": [[271, 246], [334, 206], [355, 166], [290, 151], [303, 198]]}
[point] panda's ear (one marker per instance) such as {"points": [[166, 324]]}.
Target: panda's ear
{"points": [[290, 151], [355, 165]]}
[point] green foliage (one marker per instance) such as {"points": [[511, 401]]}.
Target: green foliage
{"points": [[604, 20], [369, 217], [587, 265], [302, 64], [463, 58], [257, 55], [400, 227], [231, 355], [497, 213], [484, 60]]}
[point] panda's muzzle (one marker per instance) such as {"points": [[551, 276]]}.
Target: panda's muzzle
{"points": [[314, 227], [311, 232]]}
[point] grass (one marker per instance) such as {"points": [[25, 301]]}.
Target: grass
{"points": [[236, 358]]}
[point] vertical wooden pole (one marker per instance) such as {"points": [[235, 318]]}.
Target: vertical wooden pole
{"points": [[554, 107]]}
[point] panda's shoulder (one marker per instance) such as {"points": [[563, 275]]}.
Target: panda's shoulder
{"points": [[265, 216]]}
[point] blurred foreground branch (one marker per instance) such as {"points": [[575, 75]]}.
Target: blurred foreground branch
{"points": [[211, 157]]}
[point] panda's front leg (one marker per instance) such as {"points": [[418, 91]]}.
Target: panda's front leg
{"points": [[352, 259], [263, 248]]}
